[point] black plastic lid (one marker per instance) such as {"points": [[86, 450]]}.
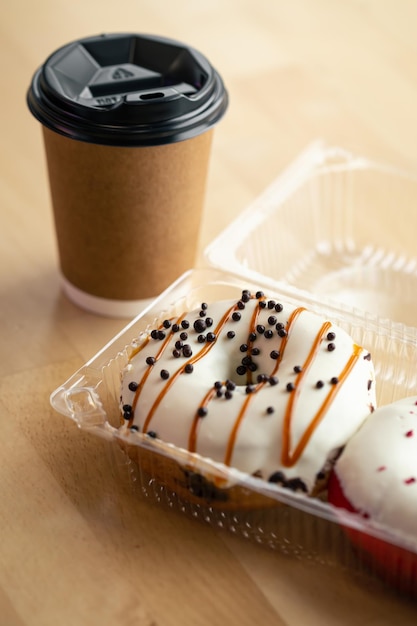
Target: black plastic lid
{"points": [[127, 90]]}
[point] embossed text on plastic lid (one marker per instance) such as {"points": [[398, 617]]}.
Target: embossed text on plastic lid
{"points": [[127, 90]]}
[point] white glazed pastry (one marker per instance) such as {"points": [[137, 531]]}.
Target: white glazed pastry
{"points": [[377, 470], [263, 386]]}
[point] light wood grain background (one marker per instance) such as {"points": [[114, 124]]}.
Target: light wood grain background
{"points": [[75, 547]]}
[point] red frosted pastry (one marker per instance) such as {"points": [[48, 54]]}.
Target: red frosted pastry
{"points": [[376, 477]]}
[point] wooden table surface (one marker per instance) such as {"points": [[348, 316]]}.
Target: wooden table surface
{"points": [[75, 547]]}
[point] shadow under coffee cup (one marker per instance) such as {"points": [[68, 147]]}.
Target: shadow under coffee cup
{"points": [[127, 123]]}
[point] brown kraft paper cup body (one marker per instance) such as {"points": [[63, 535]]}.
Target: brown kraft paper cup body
{"points": [[127, 218]]}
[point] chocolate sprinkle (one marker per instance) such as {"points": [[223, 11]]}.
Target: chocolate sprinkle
{"points": [[164, 374], [241, 370], [209, 322], [185, 324], [188, 368], [331, 347], [277, 478], [296, 484], [127, 411], [236, 316], [331, 336], [319, 384], [202, 411], [150, 360], [133, 386], [199, 325], [334, 380], [152, 433], [187, 351], [244, 347], [211, 337], [166, 324], [270, 410], [274, 355], [201, 338], [290, 386], [230, 334]]}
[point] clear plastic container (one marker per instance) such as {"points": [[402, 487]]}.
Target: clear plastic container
{"points": [[333, 224], [303, 527]]}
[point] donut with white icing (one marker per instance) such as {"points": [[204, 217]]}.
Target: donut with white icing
{"points": [[376, 477], [263, 386]]}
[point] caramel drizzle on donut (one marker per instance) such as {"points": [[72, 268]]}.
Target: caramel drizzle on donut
{"points": [[233, 435], [206, 348], [158, 355], [290, 458], [192, 439]]}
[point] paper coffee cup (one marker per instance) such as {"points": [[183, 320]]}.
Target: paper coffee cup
{"points": [[127, 124]]}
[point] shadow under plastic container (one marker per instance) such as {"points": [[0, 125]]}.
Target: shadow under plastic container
{"points": [[333, 224], [302, 527]]}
